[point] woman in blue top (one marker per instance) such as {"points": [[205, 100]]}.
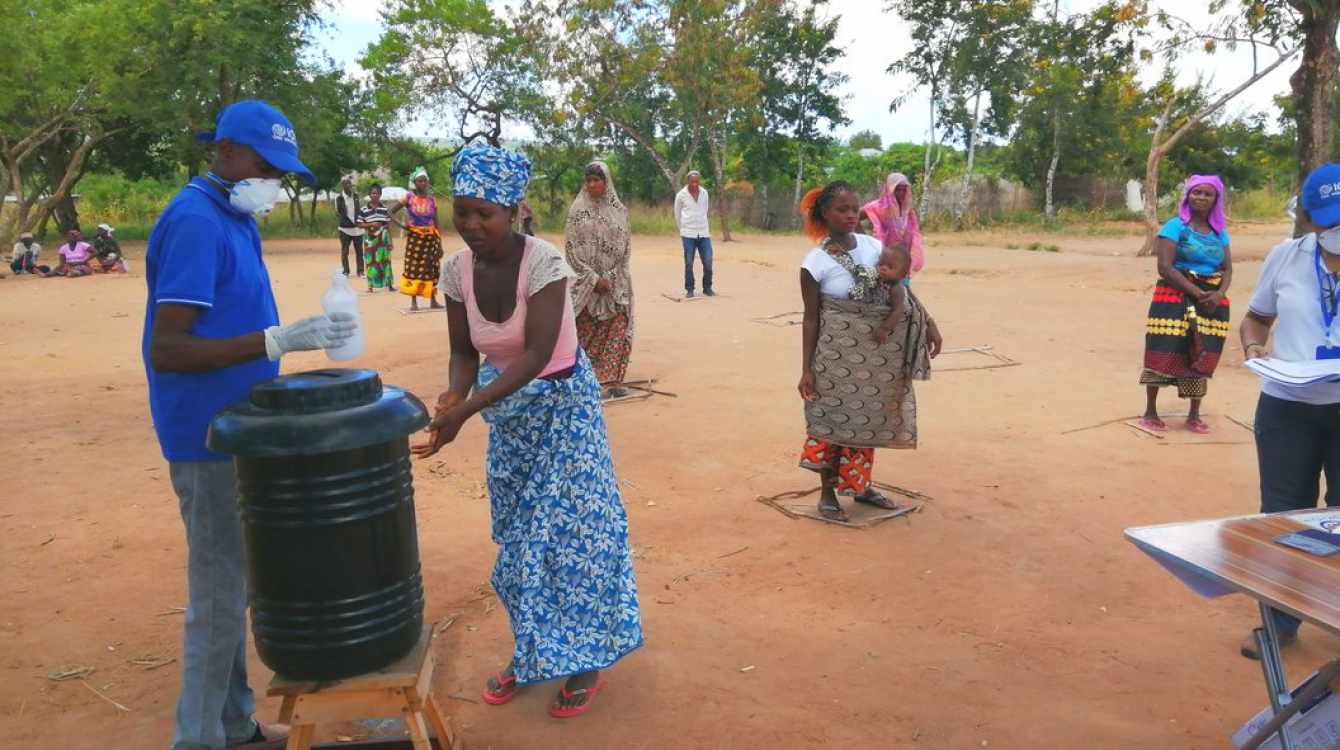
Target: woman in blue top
{"points": [[1188, 318]]}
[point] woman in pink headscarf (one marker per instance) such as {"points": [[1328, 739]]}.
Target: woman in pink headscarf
{"points": [[893, 220], [1188, 318]]}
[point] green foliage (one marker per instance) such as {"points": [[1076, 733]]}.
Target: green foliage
{"points": [[867, 173], [865, 139]]}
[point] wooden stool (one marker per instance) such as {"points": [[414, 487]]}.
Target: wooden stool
{"points": [[402, 690]]}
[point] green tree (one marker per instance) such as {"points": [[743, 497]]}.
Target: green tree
{"points": [[866, 139], [972, 54], [1078, 62], [798, 103], [1311, 24], [176, 64], [1174, 122], [453, 62]]}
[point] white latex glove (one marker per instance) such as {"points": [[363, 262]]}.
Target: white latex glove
{"points": [[309, 334]]}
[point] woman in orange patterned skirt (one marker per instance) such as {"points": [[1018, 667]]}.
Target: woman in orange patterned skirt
{"points": [[857, 390], [423, 243], [597, 244]]}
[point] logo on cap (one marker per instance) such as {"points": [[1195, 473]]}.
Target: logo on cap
{"points": [[285, 134]]}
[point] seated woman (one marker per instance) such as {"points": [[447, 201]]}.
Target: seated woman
{"points": [[108, 250], [564, 571], [74, 256]]}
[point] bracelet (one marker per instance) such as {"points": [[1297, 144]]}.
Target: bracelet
{"points": [[1250, 344]]}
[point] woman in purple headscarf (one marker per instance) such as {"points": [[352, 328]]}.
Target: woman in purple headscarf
{"points": [[893, 220], [1188, 318]]}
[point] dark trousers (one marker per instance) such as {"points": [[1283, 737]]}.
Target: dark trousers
{"points": [[703, 246], [1295, 443], [22, 264], [357, 241]]}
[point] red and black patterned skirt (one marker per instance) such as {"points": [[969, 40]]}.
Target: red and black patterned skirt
{"points": [[1182, 345]]}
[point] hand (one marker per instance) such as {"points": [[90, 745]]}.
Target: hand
{"points": [[444, 427], [1255, 351], [1207, 304], [933, 339], [806, 387], [309, 334], [881, 335], [603, 285]]}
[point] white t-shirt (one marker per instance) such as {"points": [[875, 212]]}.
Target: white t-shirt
{"points": [[833, 279], [1288, 291]]}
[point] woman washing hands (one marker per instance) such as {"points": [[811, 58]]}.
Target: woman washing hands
{"points": [[564, 569]]}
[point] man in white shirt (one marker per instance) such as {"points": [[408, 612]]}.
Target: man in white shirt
{"points": [[22, 258], [346, 207], [691, 206]]}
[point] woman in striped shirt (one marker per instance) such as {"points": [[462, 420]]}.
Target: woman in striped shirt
{"points": [[376, 222]]}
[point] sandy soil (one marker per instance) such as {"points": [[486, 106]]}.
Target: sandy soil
{"points": [[1010, 613]]}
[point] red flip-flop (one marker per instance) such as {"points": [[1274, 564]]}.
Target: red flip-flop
{"points": [[558, 712], [497, 699], [1198, 427]]}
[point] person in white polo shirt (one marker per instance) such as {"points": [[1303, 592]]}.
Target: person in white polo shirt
{"points": [[691, 205], [1298, 427]]}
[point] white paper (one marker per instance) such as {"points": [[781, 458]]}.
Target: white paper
{"points": [[1296, 373], [1325, 520]]}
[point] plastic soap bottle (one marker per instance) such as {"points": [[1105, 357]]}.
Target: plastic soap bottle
{"points": [[341, 299]]}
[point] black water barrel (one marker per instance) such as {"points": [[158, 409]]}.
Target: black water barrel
{"points": [[327, 504]]}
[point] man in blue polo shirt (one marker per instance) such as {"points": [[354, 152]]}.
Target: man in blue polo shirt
{"points": [[211, 332]]}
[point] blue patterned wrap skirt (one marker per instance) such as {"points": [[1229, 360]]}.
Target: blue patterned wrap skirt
{"points": [[564, 570]]}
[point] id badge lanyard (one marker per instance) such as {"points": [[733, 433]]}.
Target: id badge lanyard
{"points": [[1327, 299]]}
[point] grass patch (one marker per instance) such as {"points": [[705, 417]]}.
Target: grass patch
{"points": [[1262, 204]]}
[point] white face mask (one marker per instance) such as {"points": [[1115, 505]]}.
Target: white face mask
{"points": [[255, 196], [1329, 240]]}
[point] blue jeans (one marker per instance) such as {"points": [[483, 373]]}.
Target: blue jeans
{"points": [[1295, 443], [704, 247], [216, 704]]}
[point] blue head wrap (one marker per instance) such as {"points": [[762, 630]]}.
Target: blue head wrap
{"points": [[492, 174]]}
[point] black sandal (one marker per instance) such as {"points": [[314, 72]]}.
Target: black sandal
{"points": [[840, 514], [873, 497]]}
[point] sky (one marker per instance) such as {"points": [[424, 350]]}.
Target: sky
{"points": [[872, 39]]}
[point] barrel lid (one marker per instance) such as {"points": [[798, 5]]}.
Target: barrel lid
{"points": [[317, 391], [315, 412]]}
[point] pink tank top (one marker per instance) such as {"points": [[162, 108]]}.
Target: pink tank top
{"points": [[503, 342]]}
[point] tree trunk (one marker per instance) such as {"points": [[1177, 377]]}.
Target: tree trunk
{"points": [[1158, 150], [1313, 87], [928, 167], [717, 151], [800, 184], [961, 205], [674, 177], [1049, 210]]}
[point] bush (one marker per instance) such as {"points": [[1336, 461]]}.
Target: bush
{"points": [[1261, 204]]}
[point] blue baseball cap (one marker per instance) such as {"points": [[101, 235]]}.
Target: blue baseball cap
{"points": [[1321, 195], [262, 127]]}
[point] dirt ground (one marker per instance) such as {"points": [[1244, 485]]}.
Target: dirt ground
{"points": [[1009, 613]]}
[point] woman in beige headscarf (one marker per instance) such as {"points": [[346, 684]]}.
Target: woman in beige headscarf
{"points": [[597, 245]]}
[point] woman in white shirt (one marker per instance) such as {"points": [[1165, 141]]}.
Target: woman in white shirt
{"points": [[858, 392], [1298, 427]]}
